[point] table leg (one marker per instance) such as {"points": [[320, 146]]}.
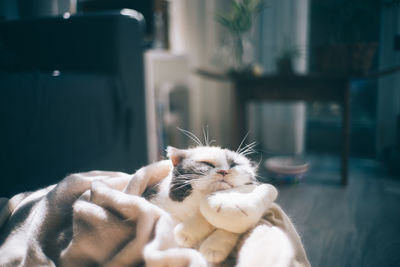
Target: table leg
{"points": [[346, 135], [239, 123]]}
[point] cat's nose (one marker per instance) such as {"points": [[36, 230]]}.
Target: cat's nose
{"points": [[222, 172]]}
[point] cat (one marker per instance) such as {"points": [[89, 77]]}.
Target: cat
{"points": [[198, 172]]}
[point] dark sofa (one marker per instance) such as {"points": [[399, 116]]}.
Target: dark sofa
{"points": [[71, 98]]}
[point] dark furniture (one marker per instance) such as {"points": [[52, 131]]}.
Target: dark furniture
{"points": [[311, 87], [144, 7], [290, 88], [71, 98], [294, 88]]}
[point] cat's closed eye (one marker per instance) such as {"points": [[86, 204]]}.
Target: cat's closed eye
{"points": [[209, 164], [233, 164]]}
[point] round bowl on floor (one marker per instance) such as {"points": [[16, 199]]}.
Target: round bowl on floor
{"points": [[286, 169]]}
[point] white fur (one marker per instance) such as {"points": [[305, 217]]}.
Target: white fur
{"points": [[237, 176], [217, 246], [217, 201], [266, 246], [237, 210], [190, 232], [179, 211]]}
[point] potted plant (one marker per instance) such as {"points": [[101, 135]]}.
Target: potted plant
{"points": [[238, 22], [285, 59]]}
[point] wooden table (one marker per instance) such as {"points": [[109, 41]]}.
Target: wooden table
{"points": [[294, 88], [291, 88], [309, 88]]}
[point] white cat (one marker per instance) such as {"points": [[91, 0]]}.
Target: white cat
{"points": [[196, 175]]}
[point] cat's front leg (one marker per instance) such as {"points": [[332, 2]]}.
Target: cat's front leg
{"points": [[192, 231], [218, 245], [238, 209]]}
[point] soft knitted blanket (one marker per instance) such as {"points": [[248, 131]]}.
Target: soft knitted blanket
{"points": [[100, 219]]}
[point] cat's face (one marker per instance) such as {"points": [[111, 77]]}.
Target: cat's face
{"points": [[207, 169]]}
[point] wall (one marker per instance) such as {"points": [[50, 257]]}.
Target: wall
{"points": [[8, 9], [193, 31], [388, 91], [280, 127]]}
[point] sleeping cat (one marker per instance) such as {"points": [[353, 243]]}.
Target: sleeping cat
{"points": [[198, 172]]}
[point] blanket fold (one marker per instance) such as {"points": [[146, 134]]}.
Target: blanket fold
{"points": [[100, 219]]}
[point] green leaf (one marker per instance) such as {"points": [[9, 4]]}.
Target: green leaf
{"points": [[241, 15]]}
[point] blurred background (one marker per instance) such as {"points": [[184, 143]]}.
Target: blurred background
{"points": [[106, 84]]}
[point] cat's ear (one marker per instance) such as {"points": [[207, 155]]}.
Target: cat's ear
{"points": [[175, 155]]}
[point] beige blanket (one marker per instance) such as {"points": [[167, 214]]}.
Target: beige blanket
{"points": [[99, 219]]}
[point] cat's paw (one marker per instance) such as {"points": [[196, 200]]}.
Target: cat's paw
{"points": [[237, 209], [230, 210], [184, 238], [213, 255], [217, 246]]}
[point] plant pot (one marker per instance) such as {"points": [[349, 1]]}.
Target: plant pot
{"points": [[286, 169], [284, 66]]}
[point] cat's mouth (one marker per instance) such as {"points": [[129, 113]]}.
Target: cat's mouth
{"points": [[222, 184]]}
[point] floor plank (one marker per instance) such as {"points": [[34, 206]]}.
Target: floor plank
{"points": [[356, 225]]}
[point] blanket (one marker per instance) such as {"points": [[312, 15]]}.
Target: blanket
{"points": [[99, 218]]}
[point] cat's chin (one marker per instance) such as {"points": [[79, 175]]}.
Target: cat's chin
{"points": [[221, 185]]}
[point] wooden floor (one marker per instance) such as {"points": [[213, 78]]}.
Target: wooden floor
{"points": [[357, 225]]}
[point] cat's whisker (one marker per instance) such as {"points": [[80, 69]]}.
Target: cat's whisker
{"points": [[248, 149], [179, 187], [183, 185], [204, 171], [197, 172], [249, 152], [180, 181], [191, 136], [193, 174], [244, 149], [186, 178], [256, 182], [259, 162], [251, 145], [189, 181], [185, 174], [257, 175], [241, 143], [206, 136]]}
